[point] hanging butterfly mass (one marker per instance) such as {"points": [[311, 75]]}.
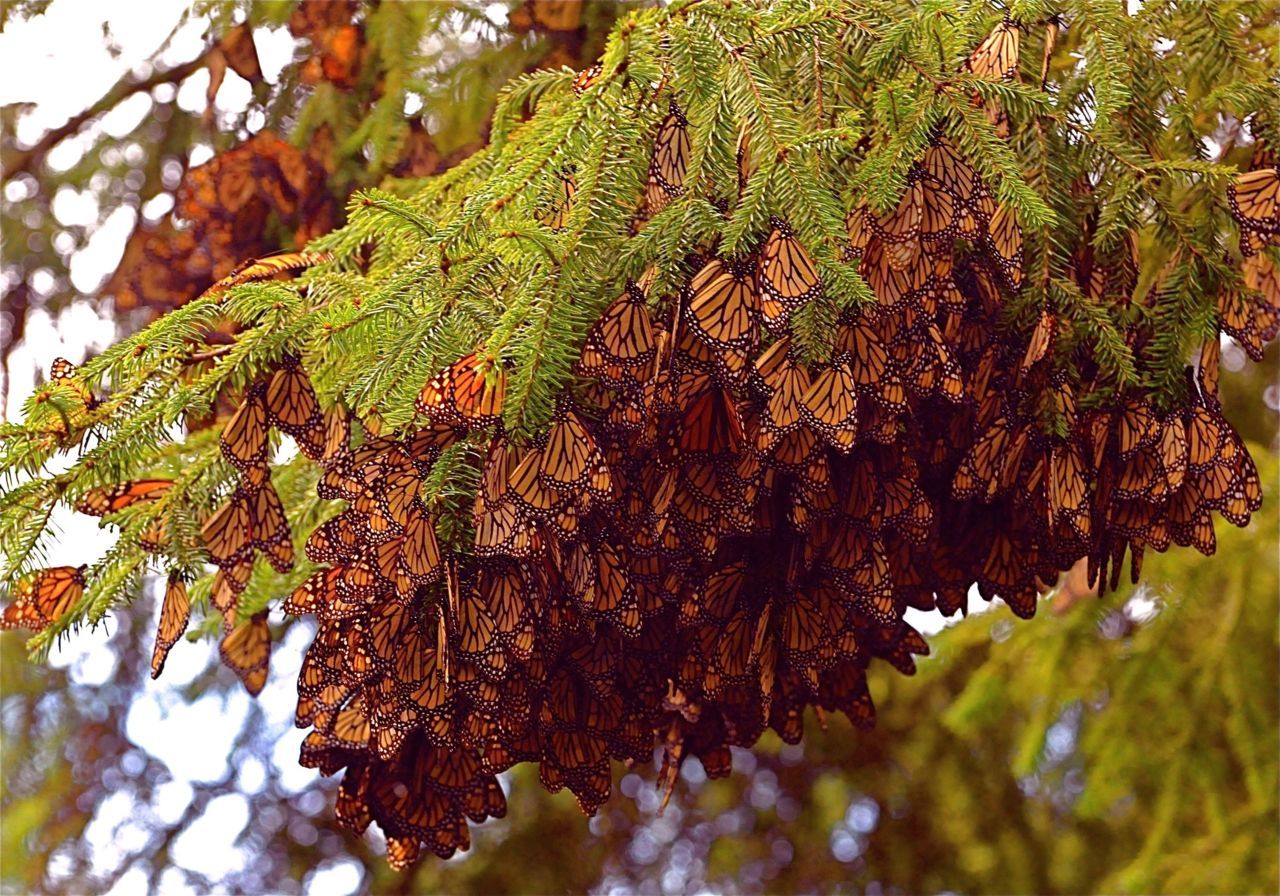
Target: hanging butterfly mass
{"points": [[714, 533]]}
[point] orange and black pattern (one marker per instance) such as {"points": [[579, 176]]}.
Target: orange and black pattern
{"points": [[714, 535], [230, 207], [715, 532], [252, 521]]}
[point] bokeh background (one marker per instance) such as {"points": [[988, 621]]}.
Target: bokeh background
{"points": [[1128, 745]]}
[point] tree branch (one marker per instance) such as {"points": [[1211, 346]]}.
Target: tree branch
{"points": [[25, 160]]}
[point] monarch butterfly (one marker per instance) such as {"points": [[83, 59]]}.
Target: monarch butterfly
{"points": [[345, 726], [942, 290], [941, 214], [42, 598], [1205, 437], [1068, 486], [1173, 451], [387, 501], [858, 561], [424, 446], [1263, 276], [1252, 242], [420, 558], [505, 593], [831, 404], [944, 167], [906, 507], [526, 488], [249, 521], [109, 499], [348, 473], [386, 560], [925, 362], [470, 392], [359, 584], [903, 223], [1191, 524], [731, 661], [330, 441], [1249, 320], [244, 438], [869, 362], [64, 372], [501, 529], [62, 369], [174, 613], [622, 338], [1254, 197], [475, 632], [337, 540], [1004, 237], [806, 620], [499, 463], [696, 358], [1136, 427], [710, 424], [722, 304], [554, 213], [229, 583], [571, 461], [790, 452], [587, 78], [1005, 575], [705, 483], [1244, 495], [861, 227], [1208, 371], [290, 401], [785, 384], [996, 58], [271, 529], [893, 286], [352, 810], [1041, 340], [320, 677], [910, 644], [598, 579], [228, 532], [670, 161], [991, 465], [315, 593], [268, 266], [403, 852], [786, 275], [246, 651]]}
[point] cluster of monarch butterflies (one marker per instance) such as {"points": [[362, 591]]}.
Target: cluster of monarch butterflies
{"points": [[338, 44], [252, 520], [228, 204], [1252, 317], [714, 533]]}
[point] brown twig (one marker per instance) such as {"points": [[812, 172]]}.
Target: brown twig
{"points": [[209, 355], [25, 160]]}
